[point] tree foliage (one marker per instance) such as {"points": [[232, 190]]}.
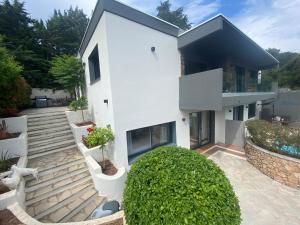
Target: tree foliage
{"points": [[15, 92], [176, 17], [65, 30], [177, 186], [34, 43], [288, 74], [68, 71]]}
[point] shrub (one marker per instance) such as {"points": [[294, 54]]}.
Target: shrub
{"points": [[176, 186], [274, 137]]}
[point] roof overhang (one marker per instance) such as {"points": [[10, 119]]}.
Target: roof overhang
{"points": [[129, 13], [218, 37]]}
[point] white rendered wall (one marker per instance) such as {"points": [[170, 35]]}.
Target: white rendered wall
{"points": [[102, 113], [145, 84], [245, 118], [228, 113], [55, 94], [220, 126]]}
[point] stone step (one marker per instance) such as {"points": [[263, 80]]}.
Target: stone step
{"points": [[83, 212], [57, 158], [48, 131], [56, 172], [43, 187], [45, 122], [39, 197], [37, 143], [49, 147], [49, 135], [66, 206], [41, 154], [47, 126], [49, 205], [44, 115]]}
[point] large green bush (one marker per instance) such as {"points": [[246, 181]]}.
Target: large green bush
{"points": [[176, 186], [15, 92], [273, 136]]}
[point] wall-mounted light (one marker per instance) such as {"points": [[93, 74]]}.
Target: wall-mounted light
{"points": [[183, 119], [230, 110], [106, 101], [152, 49]]}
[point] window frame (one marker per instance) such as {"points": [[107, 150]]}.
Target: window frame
{"points": [[171, 138], [94, 57]]}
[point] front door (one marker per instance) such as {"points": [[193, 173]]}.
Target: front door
{"points": [[200, 128]]}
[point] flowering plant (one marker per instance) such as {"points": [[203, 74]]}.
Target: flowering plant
{"points": [[98, 137]]}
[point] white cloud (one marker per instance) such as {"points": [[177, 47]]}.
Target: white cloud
{"points": [[199, 10], [196, 10], [272, 23]]}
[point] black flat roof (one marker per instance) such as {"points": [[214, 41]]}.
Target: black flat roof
{"points": [[218, 37]]}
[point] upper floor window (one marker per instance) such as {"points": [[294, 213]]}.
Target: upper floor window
{"points": [[94, 65]]}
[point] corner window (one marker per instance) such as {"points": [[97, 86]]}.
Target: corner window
{"points": [[147, 138], [94, 65], [251, 110]]}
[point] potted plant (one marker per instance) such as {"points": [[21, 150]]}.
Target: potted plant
{"points": [[79, 104], [99, 137]]}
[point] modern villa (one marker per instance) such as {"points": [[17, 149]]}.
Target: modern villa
{"points": [[158, 85]]}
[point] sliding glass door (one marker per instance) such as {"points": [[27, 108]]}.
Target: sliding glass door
{"points": [[200, 128]]}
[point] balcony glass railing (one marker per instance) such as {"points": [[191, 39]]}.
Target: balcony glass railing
{"points": [[244, 84]]}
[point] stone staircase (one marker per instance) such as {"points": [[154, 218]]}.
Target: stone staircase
{"points": [[65, 191]]}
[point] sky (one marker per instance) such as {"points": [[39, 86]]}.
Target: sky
{"points": [[271, 23]]}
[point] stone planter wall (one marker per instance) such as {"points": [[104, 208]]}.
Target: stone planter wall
{"points": [[281, 168]]}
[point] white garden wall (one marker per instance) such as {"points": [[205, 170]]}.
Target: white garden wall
{"points": [[16, 124], [110, 186], [55, 94], [15, 147], [76, 116], [78, 132]]}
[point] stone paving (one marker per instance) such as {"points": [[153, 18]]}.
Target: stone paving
{"points": [[263, 201], [64, 191]]}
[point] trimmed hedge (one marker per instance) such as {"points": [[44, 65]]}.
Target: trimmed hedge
{"points": [[177, 186]]}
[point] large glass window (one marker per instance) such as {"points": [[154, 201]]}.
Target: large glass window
{"points": [[144, 139], [94, 66]]}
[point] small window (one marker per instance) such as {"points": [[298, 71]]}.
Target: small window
{"points": [[94, 65], [251, 110]]}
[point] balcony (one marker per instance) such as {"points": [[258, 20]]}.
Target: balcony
{"points": [[215, 89]]}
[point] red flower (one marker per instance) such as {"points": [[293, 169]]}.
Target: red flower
{"points": [[90, 130]]}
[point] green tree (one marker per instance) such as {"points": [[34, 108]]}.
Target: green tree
{"points": [[288, 73], [176, 17], [18, 30], [15, 91], [66, 30], [68, 71]]}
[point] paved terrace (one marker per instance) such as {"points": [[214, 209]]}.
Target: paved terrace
{"points": [[263, 201]]}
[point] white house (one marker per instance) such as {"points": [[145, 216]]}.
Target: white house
{"points": [[156, 85]]}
